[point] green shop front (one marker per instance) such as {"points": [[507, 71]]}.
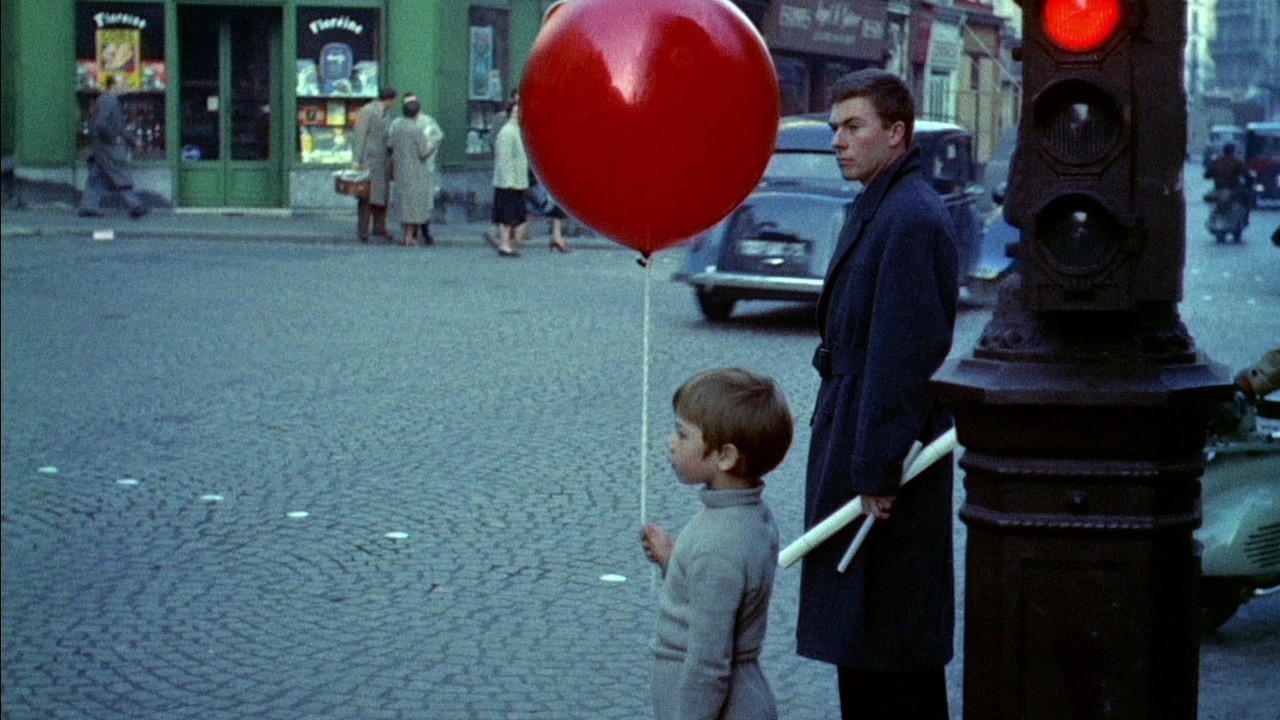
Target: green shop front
{"points": [[252, 104]]}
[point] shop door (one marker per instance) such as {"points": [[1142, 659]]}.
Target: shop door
{"points": [[230, 130]]}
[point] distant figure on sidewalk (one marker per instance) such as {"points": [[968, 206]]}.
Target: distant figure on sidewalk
{"points": [[109, 170], [435, 136], [541, 203], [510, 181], [732, 428], [412, 148], [369, 141]]}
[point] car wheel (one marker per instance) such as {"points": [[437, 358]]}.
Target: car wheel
{"points": [[1220, 597], [714, 308]]}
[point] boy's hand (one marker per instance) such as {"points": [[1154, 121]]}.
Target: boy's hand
{"points": [[657, 544]]}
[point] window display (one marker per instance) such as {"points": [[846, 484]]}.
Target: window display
{"points": [[337, 74], [125, 40], [487, 78]]}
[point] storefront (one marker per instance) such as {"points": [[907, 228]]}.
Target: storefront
{"points": [[814, 42], [251, 104]]}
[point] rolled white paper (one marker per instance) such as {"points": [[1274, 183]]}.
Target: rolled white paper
{"points": [[816, 535]]}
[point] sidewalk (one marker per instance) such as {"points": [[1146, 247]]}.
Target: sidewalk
{"points": [[254, 224]]}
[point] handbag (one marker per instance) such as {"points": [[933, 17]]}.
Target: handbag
{"points": [[539, 201]]}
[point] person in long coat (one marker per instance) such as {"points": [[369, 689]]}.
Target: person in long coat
{"points": [[412, 148], [109, 169], [886, 316], [369, 144], [435, 136]]}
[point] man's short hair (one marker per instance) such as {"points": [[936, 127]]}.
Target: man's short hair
{"points": [[412, 108], [887, 92], [388, 93], [733, 405], [1229, 149]]}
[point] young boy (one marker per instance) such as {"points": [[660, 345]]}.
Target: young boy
{"points": [[732, 427]]}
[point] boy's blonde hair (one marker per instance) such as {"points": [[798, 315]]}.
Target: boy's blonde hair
{"points": [[733, 405]]}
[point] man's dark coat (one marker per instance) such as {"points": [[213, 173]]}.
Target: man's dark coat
{"points": [[886, 317], [107, 147]]}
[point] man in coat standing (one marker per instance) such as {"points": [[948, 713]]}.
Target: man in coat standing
{"points": [[109, 170], [885, 316], [369, 142]]}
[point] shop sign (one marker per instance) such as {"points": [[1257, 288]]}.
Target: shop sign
{"points": [[945, 46], [841, 28], [337, 53], [125, 41]]}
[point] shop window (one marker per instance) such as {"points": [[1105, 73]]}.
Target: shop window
{"points": [[940, 98], [488, 80], [125, 40], [831, 72], [337, 73], [793, 84]]}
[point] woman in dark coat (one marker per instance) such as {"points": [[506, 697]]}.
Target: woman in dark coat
{"points": [[886, 316]]}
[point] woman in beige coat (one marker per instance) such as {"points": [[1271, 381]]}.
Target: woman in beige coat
{"points": [[412, 148]]}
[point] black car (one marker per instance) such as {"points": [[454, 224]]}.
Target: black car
{"points": [[776, 245]]}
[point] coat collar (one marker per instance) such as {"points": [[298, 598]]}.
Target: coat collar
{"points": [[859, 213]]}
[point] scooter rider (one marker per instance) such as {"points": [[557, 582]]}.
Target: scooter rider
{"points": [[1230, 173]]}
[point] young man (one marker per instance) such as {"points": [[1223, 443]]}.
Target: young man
{"points": [[885, 316], [732, 428]]}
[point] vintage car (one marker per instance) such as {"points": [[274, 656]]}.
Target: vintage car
{"points": [[776, 245], [1262, 156]]}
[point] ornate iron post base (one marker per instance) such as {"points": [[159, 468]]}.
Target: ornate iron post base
{"points": [[1083, 437]]}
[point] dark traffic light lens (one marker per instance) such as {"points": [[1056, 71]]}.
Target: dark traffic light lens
{"points": [[1078, 121], [1079, 233]]}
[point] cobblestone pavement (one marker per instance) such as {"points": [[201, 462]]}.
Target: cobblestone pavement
{"points": [[281, 481]]}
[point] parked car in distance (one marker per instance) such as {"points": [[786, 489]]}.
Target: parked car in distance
{"points": [[1219, 136], [1262, 156], [776, 245]]}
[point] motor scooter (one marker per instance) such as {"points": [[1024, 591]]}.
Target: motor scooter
{"points": [[1239, 534], [1230, 214]]}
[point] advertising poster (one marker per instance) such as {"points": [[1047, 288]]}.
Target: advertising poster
{"points": [[482, 69], [119, 52], [121, 39]]}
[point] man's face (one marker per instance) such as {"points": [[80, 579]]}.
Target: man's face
{"points": [[863, 145]]}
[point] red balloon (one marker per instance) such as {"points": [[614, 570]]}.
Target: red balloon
{"points": [[649, 120]]}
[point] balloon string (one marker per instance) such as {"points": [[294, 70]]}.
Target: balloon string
{"points": [[644, 400], [644, 409]]}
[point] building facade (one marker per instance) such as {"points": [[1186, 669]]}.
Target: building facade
{"points": [[252, 103], [1246, 53]]}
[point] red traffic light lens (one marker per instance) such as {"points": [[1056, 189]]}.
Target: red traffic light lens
{"points": [[1080, 25]]}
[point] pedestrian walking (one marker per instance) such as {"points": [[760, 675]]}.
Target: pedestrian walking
{"points": [[542, 204], [885, 317], [510, 180], [369, 142], [109, 166], [732, 428], [412, 147]]}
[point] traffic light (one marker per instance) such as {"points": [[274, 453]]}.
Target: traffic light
{"points": [[1096, 180]]}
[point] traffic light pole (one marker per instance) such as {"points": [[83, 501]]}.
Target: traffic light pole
{"points": [[1083, 407], [1083, 449]]}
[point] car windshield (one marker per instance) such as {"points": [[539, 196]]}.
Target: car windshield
{"points": [[1260, 144], [809, 168]]}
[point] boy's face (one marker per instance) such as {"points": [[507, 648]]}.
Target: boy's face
{"points": [[689, 456]]}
